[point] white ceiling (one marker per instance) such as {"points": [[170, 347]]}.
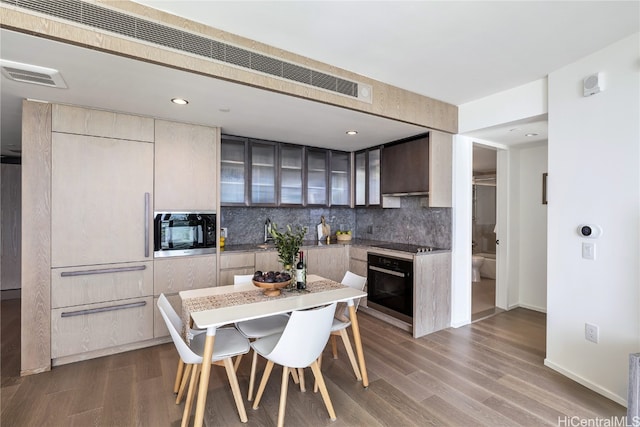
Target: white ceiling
{"points": [[453, 51]]}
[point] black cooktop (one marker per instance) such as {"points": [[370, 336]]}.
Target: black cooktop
{"points": [[405, 247]]}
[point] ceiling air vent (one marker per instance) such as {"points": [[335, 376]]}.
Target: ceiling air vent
{"points": [[27, 73], [104, 18]]}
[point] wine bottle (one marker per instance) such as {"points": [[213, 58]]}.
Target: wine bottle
{"points": [[301, 272]]}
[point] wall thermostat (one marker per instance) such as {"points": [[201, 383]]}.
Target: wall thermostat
{"points": [[589, 230]]}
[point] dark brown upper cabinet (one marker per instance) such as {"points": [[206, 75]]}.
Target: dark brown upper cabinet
{"points": [[405, 167]]}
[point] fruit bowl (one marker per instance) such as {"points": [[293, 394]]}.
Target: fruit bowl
{"points": [[343, 237], [273, 288]]}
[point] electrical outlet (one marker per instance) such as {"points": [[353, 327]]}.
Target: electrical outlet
{"points": [[369, 229], [589, 250], [591, 332]]}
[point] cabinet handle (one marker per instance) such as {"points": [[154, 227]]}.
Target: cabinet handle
{"points": [[146, 224], [103, 309], [102, 271]]}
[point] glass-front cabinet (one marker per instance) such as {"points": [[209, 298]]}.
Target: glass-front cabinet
{"points": [[316, 176], [266, 173], [340, 178], [291, 174], [233, 160], [263, 173], [367, 177]]}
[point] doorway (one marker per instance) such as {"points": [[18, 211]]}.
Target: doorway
{"points": [[484, 227]]}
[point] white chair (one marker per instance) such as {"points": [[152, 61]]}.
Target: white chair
{"points": [[297, 347], [342, 321], [257, 328], [228, 343]]}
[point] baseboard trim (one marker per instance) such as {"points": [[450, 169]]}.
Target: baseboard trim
{"points": [[460, 323], [532, 307], [588, 384]]}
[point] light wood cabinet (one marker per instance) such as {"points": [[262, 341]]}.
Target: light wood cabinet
{"points": [[440, 169], [358, 265], [267, 261], [432, 293], [185, 167], [175, 274], [85, 328], [101, 200], [235, 263], [329, 262], [100, 283]]}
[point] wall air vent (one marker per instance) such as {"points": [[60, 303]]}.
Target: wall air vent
{"points": [[27, 73], [114, 21]]}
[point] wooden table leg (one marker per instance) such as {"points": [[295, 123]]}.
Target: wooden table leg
{"points": [[204, 376], [356, 338]]}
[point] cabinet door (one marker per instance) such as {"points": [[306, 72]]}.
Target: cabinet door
{"points": [[263, 173], [233, 174], [373, 177], [340, 178], [330, 263], [361, 178], [316, 177], [185, 167], [440, 169], [268, 261], [175, 274], [99, 212], [291, 174]]}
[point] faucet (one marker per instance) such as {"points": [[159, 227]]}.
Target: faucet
{"points": [[267, 231]]}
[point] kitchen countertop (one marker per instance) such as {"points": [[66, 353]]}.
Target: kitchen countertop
{"points": [[254, 247]]}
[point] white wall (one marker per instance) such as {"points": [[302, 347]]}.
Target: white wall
{"points": [[532, 219], [594, 164]]}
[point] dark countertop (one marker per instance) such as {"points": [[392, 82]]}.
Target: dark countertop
{"points": [[254, 247]]}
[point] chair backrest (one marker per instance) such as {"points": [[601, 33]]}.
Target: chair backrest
{"points": [[242, 279], [174, 324], [304, 337], [354, 281]]}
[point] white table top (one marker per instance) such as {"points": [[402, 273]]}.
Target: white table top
{"points": [[225, 315]]}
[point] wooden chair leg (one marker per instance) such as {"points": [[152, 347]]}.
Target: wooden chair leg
{"points": [[252, 376], [263, 383], [301, 378], [294, 375], [176, 385], [195, 373], [323, 389], [237, 364], [315, 383], [352, 356], [235, 388], [183, 384], [334, 346], [283, 396]]}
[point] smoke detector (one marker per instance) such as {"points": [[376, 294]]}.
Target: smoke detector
{"points": [[27, 73]]}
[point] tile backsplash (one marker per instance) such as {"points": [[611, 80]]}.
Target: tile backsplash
{"points": [[411, 223]]}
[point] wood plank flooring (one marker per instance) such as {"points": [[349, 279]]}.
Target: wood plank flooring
{"points": [[489, 373]]}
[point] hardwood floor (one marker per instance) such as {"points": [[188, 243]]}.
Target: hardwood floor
{"points": [[488, 373]]}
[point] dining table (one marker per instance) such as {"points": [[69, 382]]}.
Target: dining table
{"points": [[211, 308]]}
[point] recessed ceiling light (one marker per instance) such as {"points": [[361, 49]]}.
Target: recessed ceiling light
{"points": [[352, 132], [179, 101], [224, 110], [531, 134]]}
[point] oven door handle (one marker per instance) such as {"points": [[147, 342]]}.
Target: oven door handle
{"points": [[385, 271]]}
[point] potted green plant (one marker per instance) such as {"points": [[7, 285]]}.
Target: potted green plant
{"points": [[288, 243]]}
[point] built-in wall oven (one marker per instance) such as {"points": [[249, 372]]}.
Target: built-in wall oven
{"points": [[184, 233], [390, 286]]}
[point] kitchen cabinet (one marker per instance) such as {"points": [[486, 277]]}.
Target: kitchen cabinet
{"points": [[263, 172], [291, 174], [419, 167], [267, 261], [367, 177], [340, 183], [185, 167], [101, 202], [317, 178], [358, 265], [175, 274], [329, 262], [233, 171], [432, 293], [101, 282], [235, 263]]}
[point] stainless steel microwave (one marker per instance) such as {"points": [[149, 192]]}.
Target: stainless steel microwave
{"points": [[184, 233]]}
